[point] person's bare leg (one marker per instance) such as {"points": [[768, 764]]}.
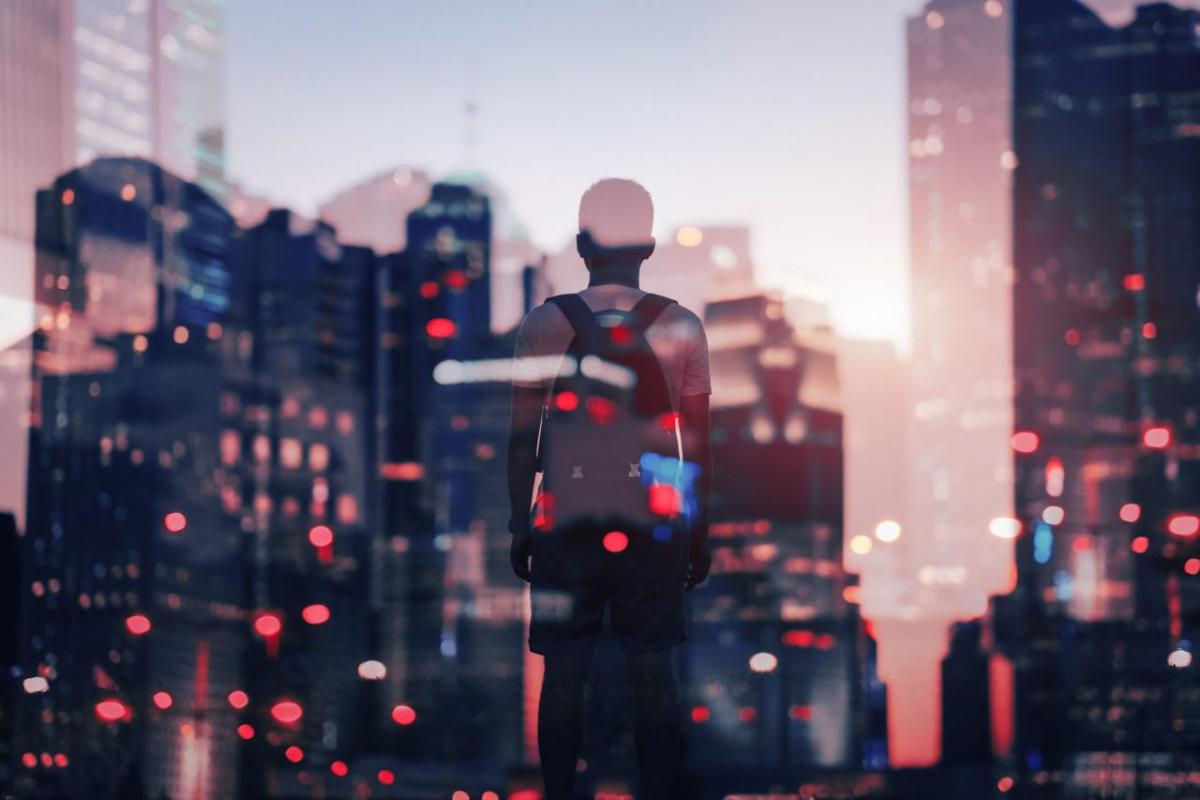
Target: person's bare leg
{"points": [[560, 723], [657, 725]]}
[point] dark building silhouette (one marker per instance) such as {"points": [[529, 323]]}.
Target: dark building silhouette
{"points": [[775, 651], [1106, 258], [130, 576], [966, 717], [299, 450]]}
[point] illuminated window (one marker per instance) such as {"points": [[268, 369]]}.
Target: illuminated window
{"points": [[291, 453]]}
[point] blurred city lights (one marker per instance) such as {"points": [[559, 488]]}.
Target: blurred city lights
{"points": [[689, 236], [386, 777], [1157, 437], [1025, 442], [315, 614], [763, 662], [615, 541], [440, 328], [163, 700], [1005, 527], [861, 544], [1140, 544], [1183, 524], [294, 754], [267, 625], [287, 712], [372, 670], [137, 624], [1053, 515], [35, 685], [887, 531], [320, 536], [1130, 512], [701, 714], [238, 699], [1179, 659], [339, 768], [113, 710], [404, 715], [245, 731], [174, 522]]}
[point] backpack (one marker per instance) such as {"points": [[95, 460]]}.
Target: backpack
{"points": [[609, 443]]}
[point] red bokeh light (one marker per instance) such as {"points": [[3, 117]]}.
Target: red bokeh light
{"points": [[238, 699], [137, 624], [798, 638], [267, 625], [1149, 330], [701, 714], [316, 614], [339, 769], [404, 715], [1071, 337], [112, 710], [1192, 566], [667, 421], [601, 410], [386, 777], [294, 754], [320, 536], [440, 328], [287, 712], [1025, 442], [456, 279], [245, 731], [800, 712], [175, 522], [29, 760], [566, 401], [61, 760], [747, 714], [620, 334], [429, 290], [1183, 524], [663, 499], [163, 700], [1135, 282], [1157, 437], [1140, 544], [1130, 512], [615, 541]]}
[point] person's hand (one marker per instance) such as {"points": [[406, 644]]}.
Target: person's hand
{"points": [[519, 552], [699, 562]]}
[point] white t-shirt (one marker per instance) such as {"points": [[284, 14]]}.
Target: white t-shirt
{"points": [[676, 336]]}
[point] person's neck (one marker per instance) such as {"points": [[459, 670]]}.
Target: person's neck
{"points": [[621, 274]]}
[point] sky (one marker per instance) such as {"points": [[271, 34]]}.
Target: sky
{"points": [[787, 116]]}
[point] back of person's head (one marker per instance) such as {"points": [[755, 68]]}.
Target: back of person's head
{"points": [[617, 213]]}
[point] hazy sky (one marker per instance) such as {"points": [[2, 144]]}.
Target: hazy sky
{"points": [[786, 115]]}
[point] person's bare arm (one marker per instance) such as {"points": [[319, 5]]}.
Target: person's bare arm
{"points": [[522, 469], [694, 419]]}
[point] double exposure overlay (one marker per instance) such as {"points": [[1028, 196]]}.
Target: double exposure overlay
{"points": [[845, 357]]}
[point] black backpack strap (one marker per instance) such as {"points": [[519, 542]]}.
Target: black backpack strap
{"points": [[647, 309], [581, 318]]}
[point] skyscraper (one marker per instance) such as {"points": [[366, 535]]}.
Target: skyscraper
{"points": [[298, 452], [774, 643], [959, 471], [1106, 201], [130, 622]]}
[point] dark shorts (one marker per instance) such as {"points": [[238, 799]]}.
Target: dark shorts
{"points": [[575, 577]]}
